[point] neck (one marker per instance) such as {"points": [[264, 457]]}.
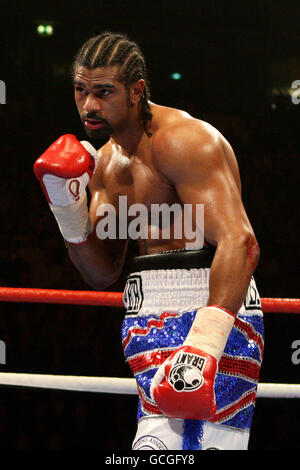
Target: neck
{"points": [[129, 137]]}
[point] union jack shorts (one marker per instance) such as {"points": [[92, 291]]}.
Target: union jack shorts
{"points": [[160, 309]]}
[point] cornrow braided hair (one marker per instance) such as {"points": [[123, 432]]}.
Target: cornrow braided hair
{"points": [[108, 49]]}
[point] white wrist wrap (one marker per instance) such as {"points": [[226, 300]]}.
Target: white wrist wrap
{"points": [[73, 220], [210, 330]]}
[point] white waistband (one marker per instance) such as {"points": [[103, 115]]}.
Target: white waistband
{"points": [[176, 290]]}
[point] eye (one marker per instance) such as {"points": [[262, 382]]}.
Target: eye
{"points": [[79, 89], [104, 92]]}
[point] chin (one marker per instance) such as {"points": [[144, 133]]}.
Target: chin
{"points": [[98, 135]]}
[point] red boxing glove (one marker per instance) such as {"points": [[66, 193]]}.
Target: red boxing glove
{"points": [[64, 171], [183, 386], [65, 168], [187, 388]]}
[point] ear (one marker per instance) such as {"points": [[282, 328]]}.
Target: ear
{"points": [[136, 91]]}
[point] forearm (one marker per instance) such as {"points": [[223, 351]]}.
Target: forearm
{"points": [[98, 263], [233, 265]]}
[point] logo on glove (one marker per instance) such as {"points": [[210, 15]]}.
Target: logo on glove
{"points": [[186, 373], [74, 187]]}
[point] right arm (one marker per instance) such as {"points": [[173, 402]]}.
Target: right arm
{"points": [[64, 170], [100, 262]]}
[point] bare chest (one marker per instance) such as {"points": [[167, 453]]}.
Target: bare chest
{"points": [[138, 181]]}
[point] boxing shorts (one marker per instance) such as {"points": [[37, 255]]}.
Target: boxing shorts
{"points": [[161, 298]]}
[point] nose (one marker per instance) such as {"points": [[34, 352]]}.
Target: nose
{"points": [[91, 104]]}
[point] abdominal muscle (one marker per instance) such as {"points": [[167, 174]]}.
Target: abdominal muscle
{"points": [[149, 247], [167, 240]]}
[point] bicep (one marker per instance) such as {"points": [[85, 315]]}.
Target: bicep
{"points": [[98, 198], [99, 204], [209, 180]]}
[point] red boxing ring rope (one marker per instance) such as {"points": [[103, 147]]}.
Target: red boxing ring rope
{"points": [[113, 299], [55, 296]]}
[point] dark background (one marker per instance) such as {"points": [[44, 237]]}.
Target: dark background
{"points": [[238, 61]]}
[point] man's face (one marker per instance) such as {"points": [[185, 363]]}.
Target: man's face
{"points": [[101, 100]]}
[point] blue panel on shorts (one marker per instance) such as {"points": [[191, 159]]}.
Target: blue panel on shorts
{"points": [[229, 389]]}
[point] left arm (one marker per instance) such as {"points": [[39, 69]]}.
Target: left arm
{"points": [[194, 160], [196, 164]]}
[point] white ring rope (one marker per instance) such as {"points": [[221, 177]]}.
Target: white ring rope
{"points": [[69, 382], [119, 385]]}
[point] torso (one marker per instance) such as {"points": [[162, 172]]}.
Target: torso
{"points": [[140, 179]]}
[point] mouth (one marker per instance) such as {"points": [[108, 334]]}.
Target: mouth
{"points": [[93, 123]]}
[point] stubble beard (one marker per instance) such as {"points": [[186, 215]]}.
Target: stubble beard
{"points": [[103, 133]]}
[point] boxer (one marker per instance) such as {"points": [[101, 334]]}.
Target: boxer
{"points": [[193, 329]]}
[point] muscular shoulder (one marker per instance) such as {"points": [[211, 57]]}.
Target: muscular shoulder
{"points": [[186, 142]]}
